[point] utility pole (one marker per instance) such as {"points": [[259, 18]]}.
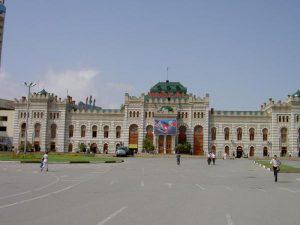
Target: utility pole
{"points": [[30, 85]]}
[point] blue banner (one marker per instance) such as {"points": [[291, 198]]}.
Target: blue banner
{"points": [[165, 126]]}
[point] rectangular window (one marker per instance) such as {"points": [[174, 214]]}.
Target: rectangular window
{"points": [[3, 118], [2, 129]]}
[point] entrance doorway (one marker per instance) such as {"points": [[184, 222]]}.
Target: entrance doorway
{"points": [[37, 146], [93, 148], [227, 150], [283, 151], [161, 143], [169, 144], [251, 153], [239, 152], [105, 148], [265, 152]]}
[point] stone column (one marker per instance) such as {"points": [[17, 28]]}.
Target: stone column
{"points": [[173, 144], [165, 143]]}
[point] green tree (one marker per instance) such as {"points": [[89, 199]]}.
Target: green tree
{"points": [[148, 146], [184, 148], [82, 147]]}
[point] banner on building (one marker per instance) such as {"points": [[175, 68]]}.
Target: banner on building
{"points": [[165, 126]]}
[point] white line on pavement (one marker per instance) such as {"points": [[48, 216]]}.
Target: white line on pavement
{"points": [[8, 196], [228, 188], [169, 185], [261, 189], [67, 188], [199, 186], [289, 190], [43, 187], [229, 219], [111, 216]]}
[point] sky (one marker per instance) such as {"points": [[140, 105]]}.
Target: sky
{"points": [[240, 52]]}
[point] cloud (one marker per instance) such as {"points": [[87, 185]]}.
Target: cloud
{"points": [[78, 83], [10, 88]]}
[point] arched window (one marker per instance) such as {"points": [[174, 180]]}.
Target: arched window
{"points": [[251, 134], [23, 130], [146, 114], [118, 132], [239, 134], [265, 134], [130, 114], [53, 130], [133, 113], [106, 131], [34, 115], [37, 130], [137, 114], [186, 115], [94, 131], [226, 134], [38, 115], [213, 133], [149, 114], [71, 131], [82, 131], [283, 135]]}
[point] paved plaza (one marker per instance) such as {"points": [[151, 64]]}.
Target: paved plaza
{"points": [[148, 192]]}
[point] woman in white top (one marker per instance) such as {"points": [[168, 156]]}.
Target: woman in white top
{"points": [[275, 163], [45, 162]]}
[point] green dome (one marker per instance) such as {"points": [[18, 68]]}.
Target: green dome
{"points": [[168, 87], [297, 94], [43, 92]]}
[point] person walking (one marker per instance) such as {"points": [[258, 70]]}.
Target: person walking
{"points": [[178, 158], [276, 166], [213, 156], [209, 158], [45, 162]]}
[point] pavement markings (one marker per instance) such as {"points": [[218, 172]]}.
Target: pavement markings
{"points": [[289, 190], [8, 196], [38, 197], [199, 186], [57, 179], [228, 188], [169, 185], [111, 216], [260, 189], [142, 184], [229, 219]]}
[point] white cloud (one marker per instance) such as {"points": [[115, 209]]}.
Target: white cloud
{"points": [[10, 89], [78, 83]]}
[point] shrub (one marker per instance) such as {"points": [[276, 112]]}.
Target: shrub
{"points": [[184, 148], [148, 146]]}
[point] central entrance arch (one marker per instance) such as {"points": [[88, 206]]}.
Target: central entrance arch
{"points": [[161, 143], [198, 140], [169, 144]]}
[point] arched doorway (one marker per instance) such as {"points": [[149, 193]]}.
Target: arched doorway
{"points": [[182, 135], [252, 151], [198, 140], [161, 143], [239, 152], [169, 144], [265, 152], [93, 148], [105, 148], [149, 133], [70, 148], [227, 150], [213, 149], [133, 137]]}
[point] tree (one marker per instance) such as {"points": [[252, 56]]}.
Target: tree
{"points": [[148, 146], [82, 147], [22, 145], [184, 148]]}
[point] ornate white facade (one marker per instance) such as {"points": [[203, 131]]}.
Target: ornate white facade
{"points": [[62, 125]]}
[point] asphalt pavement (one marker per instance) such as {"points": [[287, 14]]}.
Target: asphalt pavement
{"points": [[148, 192]]}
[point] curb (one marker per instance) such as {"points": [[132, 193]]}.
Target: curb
{"points": [[260, 165]]}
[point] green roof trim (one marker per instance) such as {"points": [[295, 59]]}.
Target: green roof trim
{"points": [[297, 93], [43, 92], [168, 87]]}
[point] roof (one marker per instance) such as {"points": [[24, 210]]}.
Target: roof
{"points": [[7, 104], [297, 93], [168, 87], [43, 92]]}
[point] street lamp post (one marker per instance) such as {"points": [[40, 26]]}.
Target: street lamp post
{"points": [[30, 85]]}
